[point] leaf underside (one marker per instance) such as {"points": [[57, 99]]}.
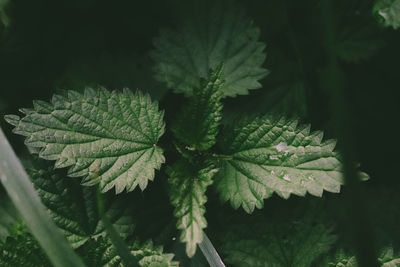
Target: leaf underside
{"points": [[211, 33], [107, 137], [187, 191], [271, 154]]}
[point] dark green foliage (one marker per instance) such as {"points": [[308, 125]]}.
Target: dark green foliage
{"points": [[223, 140], [21, 249]]}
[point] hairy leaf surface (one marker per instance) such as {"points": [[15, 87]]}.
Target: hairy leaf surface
{"points": [[107, 137], [188, 188], [211, 33], [271, 154], [197, 124], [74, 208]]}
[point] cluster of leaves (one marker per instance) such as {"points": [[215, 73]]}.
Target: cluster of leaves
{"points": [[115, 141]]}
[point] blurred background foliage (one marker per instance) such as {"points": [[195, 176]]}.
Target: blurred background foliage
{"points": [[47, 46]]}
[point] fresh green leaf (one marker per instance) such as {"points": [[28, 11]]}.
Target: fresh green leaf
{"points": [[211, 33], [197, 124], [109, 138], [271, 154], [74, 208], [188, 188], [100, 252], [389, 12], [268, 243]]}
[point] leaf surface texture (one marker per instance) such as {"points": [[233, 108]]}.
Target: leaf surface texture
{"points": [[188, 196], [211, 33], [109, 138], [271, 154]]}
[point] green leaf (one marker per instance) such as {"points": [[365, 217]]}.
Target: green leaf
{"points": [[22, 249], [197, 124], [342, 259], [109, 138], [388, 11], [74, 208], [188, 186], [21, 191], [387, 258], [271, 154], [100, 252], [296, 243], [211, 33]]}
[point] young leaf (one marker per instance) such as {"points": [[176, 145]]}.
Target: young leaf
{"points": [[211, 33], [197, 125], [109, 138], [188, 187], [270, 154], [74, 208], [296, 243], [100, 252], [389, 12]]}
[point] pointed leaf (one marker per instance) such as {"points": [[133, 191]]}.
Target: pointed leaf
{"points": [[108, 137], [197, 124], [188, 187], [271, 154], [211, 33]]}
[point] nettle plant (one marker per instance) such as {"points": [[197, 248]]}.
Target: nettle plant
{"points": [[112, 140]]}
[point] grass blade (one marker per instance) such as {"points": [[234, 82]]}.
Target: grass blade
{"points": [[21, 191]]}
